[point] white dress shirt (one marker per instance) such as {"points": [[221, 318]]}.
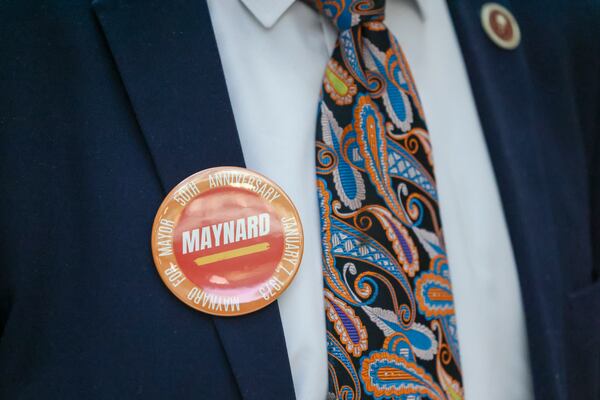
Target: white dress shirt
{"points": [[274, 54]]}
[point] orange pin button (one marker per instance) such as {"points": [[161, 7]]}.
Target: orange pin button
{"points": [[227, 241]]}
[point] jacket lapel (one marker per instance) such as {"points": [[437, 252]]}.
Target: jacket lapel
{"points": [[504, 91], [166, 54]]}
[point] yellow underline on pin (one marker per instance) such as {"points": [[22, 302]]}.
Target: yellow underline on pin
{"points": [[229, 254]]}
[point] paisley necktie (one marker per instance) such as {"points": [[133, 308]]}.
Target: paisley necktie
{"points": [[391, 327]]}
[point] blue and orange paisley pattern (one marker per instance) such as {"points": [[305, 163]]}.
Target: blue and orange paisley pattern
{"points": [[391, 327]]}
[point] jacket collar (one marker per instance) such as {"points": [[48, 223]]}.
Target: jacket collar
{"points": [[515, 127], [167, 57]]}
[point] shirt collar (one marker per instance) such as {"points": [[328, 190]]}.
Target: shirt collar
{"points": [[268, 12]]}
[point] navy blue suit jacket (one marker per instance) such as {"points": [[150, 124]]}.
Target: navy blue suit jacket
{"points": [[105, 106]]}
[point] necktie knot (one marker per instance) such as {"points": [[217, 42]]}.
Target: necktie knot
{"points": [[345, 14]]}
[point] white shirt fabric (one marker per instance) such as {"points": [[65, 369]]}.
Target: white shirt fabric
{"points": [[274, 54]]}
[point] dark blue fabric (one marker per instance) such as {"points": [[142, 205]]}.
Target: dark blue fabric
{"points": [[539, 107], [103, 108]]}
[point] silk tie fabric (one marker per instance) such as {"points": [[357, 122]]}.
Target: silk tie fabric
{"points": [[391, 327]]}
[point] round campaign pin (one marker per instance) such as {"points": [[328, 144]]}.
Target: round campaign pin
{"points": [[227, 241]]}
